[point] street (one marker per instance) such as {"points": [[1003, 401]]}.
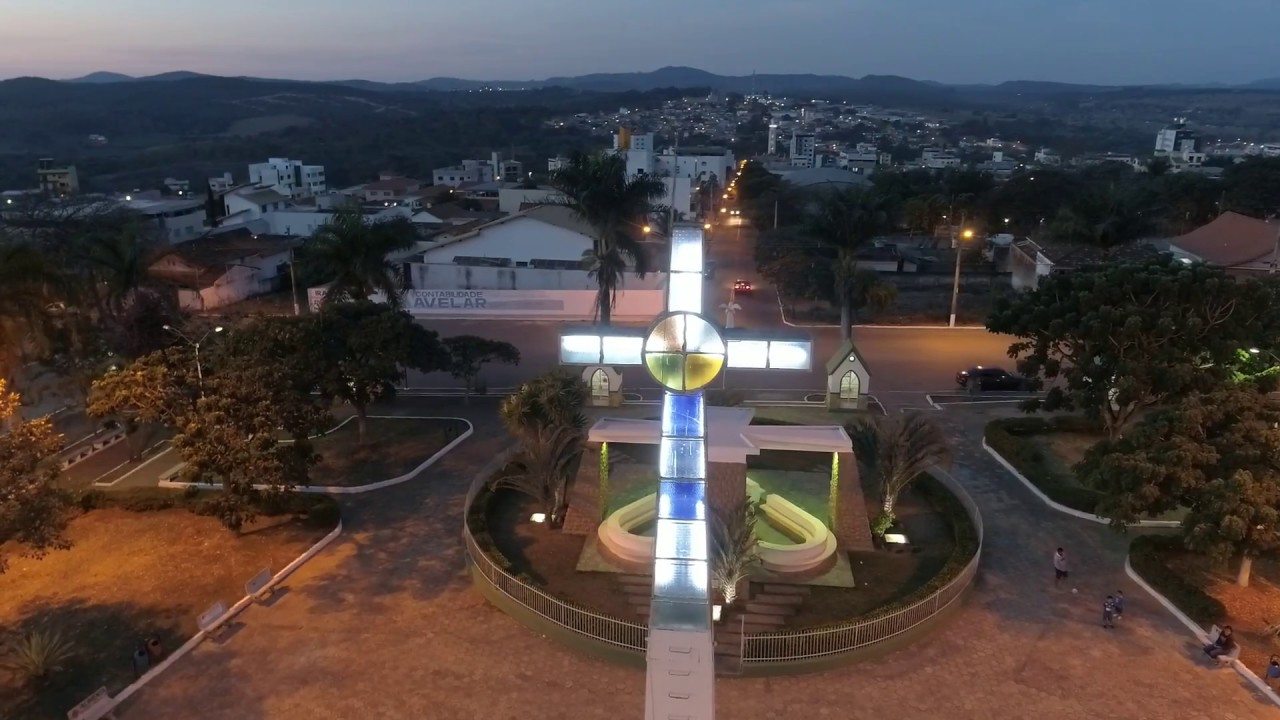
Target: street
{"points": [[912, 360]]}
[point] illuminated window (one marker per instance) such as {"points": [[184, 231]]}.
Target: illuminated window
{"points": [[849, 386], [599, 384]]}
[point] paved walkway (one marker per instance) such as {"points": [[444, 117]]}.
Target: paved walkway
{"points": [[384, 625]]}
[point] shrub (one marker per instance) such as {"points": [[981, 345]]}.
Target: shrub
{"points": [[324, 514], [1013, 439], [1148, 556], [881, 524], [90, 499], [39, 654]]}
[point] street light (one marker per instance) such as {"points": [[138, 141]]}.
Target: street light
{"points": [[955, 287], [706, 226], [196, 345], [647, 229]]}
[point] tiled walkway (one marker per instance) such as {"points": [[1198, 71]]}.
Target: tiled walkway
{"points": [[384, 625]]}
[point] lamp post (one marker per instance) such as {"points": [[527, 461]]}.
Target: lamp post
{"points": [[195, 344], [955, 287]]}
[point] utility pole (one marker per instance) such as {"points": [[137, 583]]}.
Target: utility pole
{"points": [[293, 286], [955, 287], [775, 214]]}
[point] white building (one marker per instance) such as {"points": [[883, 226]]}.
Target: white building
{"points": [[221, 184], [469, 171], [1045, 156], [178, 220], [773, 139], [556, 163], [212, 272], [803, 150], [511, 198], [681, 169], [529, 264], [288, 177], [937, 159], [1176, 139]]}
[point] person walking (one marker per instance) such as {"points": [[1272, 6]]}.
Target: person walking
{"points": [[1060, 568], [1109, 612]]}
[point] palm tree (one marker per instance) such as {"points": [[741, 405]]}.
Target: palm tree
{"points": [[896, 449], [549, 455], [847, 221], [597, 189], [735, 548], [553, 399], [351, 255]]}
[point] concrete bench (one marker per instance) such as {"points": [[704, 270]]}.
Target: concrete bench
{"points": [[815, 541], [95, 707], [616, 535], [211, 621], [257, 587]]}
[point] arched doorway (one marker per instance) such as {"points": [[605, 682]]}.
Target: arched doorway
{"points": [[599, 385], [849, 386]]}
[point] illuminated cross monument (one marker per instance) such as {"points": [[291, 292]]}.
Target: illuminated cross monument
{"points": [[684, 352]]}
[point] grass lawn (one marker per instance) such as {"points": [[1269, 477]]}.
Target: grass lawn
{"points": [[1248, 610], [394, 446], [128, 576]]}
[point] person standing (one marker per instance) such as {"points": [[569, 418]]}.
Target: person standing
{"points": [[1119, 604], [1109, 612], [1060, 568]]}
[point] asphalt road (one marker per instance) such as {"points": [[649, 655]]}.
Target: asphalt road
{"points": [[901, 360]]}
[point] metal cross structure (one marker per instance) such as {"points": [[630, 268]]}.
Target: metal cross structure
{"points": [[683, 351]]}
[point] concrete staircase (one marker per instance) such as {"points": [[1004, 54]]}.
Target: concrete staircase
{"points": [[769, 607]]}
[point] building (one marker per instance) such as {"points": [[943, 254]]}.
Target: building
{"points": [[57, 181], [1176, 139], [507, 171], [773, 139], [822, 178], [1045, 156], [1241, 244], [938, 159], [513, 199], [178, 220], [177, 187], [859, 160], [680, 169], [529, 264], [390, 187], [999, 166], [221, 184], [803, 151], [288, 177], [212, 272], [469, 171], [1029, 261], [556, 163]]}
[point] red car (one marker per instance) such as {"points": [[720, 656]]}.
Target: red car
{"points": [[741, 286]]}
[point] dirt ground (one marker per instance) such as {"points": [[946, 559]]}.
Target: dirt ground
{"points": [[394, 447], [129, 576], [1249, 610]]}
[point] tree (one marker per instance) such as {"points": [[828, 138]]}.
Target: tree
{"points": [[1123, 337], [869, 291], [897, 449], [847, 221], [549, 455], [923, 213], [735, 548], [232, 437], [24, 298], [33, 510], [350, 253], [1216, 454], [469, 353], [363, 350], [1105, 218], [1253, 187], [552, 399], [600, 193], [159, 388]]}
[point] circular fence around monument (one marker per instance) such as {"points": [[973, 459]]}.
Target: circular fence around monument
{"points": [[776, 648]]}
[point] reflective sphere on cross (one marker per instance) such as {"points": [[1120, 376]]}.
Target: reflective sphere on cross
{"points": [[684, 351]]}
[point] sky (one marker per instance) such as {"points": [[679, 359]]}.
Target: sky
{"points": [[956, 41]]}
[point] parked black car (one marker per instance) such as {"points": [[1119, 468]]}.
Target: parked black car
{"points": [[989, 378]]}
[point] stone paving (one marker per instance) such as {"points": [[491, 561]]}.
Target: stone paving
{"points": [[384, 625]]}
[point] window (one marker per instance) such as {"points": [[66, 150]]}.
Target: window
{"points": [[599, 384], [849, 386]]}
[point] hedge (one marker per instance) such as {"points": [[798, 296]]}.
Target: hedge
{"points": [[318, 510], [1011, 437], [1148, 556]]}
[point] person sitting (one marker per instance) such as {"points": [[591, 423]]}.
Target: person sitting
{"points": [[1222, 644]]}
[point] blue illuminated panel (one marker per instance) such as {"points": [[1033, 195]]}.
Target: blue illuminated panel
{"points": [[682, 416], [682, 500], [681, 573]]}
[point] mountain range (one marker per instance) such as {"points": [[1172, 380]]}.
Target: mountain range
{"points": [[687, 77]]}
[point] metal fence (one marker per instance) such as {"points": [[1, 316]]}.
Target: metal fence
{"points": [[771, 647], [776, 647], [606, 629]]}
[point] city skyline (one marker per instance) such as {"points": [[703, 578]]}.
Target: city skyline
{"points": [[1080, 41]]}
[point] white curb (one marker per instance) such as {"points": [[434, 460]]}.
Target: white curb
{"points": [[1063, 508], [343, 490], [1199, 633], [243, 603]]}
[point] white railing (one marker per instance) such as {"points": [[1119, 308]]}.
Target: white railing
{"points": [[776, 647], [606, 629]]}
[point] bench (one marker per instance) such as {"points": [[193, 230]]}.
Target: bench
{"points": [[210, 621], [95, 707], [257, 587], [616, 532], [815, 543]]}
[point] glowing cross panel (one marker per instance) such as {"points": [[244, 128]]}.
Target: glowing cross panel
{"points": [[684, 352]]}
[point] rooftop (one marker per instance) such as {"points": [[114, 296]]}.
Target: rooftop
{"points": [[1231, 240]]}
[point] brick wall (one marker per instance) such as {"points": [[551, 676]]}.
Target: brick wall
{"points": [[585, 506], [726, 486], [852, 526]]}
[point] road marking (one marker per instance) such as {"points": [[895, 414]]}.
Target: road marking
{"points": [[145, 463]]}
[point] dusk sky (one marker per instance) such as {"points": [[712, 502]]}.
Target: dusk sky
{"points": [[1096, 41]]}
